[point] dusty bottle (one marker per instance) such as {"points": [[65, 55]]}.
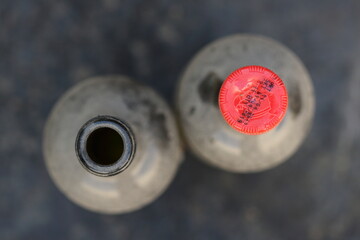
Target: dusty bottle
{"points": [[245, 103], [111, 145]]}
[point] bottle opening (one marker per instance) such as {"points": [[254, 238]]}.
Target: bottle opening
{"points": [[253, 100], [105, 146]]}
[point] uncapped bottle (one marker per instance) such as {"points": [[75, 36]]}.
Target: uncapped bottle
{"points": [[111, 145]]}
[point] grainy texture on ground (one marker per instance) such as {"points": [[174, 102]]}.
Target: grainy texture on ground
{"points": [[48, 46]]}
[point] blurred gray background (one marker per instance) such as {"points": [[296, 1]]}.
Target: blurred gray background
{"points": [[48, 46]]}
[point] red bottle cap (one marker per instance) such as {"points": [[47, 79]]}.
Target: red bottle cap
{"points": [[253, 100]]}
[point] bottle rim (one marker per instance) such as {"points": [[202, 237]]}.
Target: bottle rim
{"points": [[105, 146]]}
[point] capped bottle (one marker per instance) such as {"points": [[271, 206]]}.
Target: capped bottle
{"points": [[111, 145], [245, 103]]}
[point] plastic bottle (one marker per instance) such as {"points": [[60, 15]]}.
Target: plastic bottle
{"points": [[204, 111], [111, 145]]}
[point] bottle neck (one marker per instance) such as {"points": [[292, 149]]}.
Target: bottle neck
{"points": [[105, 146]]}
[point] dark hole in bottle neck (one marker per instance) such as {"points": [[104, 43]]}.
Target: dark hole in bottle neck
{"points": [[105, 146]]}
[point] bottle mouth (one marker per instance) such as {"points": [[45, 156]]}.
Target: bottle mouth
{"points": [[253, 100], [105, 146]]}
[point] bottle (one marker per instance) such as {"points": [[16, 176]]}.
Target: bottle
{"points": [[111, 145], [228, 116]]}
